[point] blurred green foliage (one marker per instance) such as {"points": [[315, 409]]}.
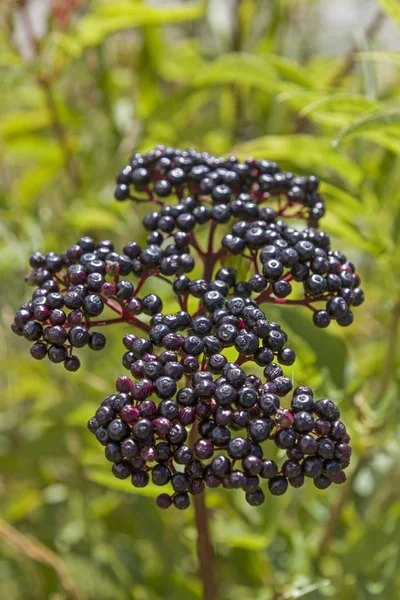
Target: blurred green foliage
{"points": [[85, 83]]}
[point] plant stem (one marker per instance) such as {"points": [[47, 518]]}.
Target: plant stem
{"points": [[265, 297], [59, 131], [205, 552], [204, 549], [45, 85], [237, 43], [35, 550]]}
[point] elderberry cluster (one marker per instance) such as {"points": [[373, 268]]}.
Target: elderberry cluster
{"points": [[287, 261], [226, 186], [289, 256], [235, 415], [76, 287], [201, 406], [182, 378]]}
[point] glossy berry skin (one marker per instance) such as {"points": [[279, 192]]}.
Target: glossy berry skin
{"points": [[255, 498], [164, 501], [97, 341], [277, 485], [78, 336], [32, 331], [72, 363], [38, 350]]}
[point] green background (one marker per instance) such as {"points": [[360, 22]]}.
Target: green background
{"points": [[81, 88]]}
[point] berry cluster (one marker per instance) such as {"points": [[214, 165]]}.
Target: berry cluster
{"points": [[182, 381], [235, 414], [289, 256], [75, 287], [223, 187], [203, 397], [217, 191]]}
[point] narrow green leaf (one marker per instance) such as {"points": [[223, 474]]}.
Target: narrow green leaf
{"points": [[118, 16], [150, 15], [35, 180], [92, 219], [386, 139], [242, 69], [105, 478], [36, 147], [342, 203], [347, 231], [300, 98], [289, 69], [305, 152], [24, 122], [248, 541], [330, 351], [343, 102], [389, 117]]}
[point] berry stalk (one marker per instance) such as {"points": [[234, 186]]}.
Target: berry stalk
{"points": [[205, 552]]}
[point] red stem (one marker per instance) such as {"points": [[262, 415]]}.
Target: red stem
{"points": [[211, 235], [205, 550], [195, 244], [127, 317], [106, 322], [145, 200], [265, 297], [141, 282]]}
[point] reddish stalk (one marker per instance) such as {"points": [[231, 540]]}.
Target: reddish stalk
{"points": [[265, 297], [127, 317], [141, 282], [195, 244], [163, 278], [145, 200], [205, 550], [104, 323]]}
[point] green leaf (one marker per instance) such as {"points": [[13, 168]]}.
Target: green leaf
{"points": [[250, 541], [24, 504], [181, 62], [342, 203], [386, 139], [305, 152], [344, 102], [35, 180], [35, 147], [23, 122], [392, 8], [289, 69], [348, 231], [389, 117], [92, 219], [118, 16], [330, 351], [242, 69]]}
